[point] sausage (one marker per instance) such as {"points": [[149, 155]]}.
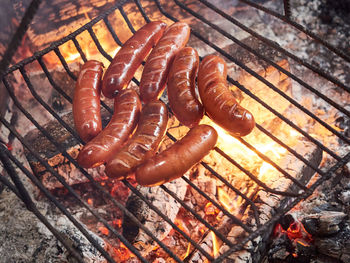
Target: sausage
{"points": [[127, 108], [181, 87], [129, 57], [178, 158], [86, 100], [143, 144], [157, 66], [217, 99]]}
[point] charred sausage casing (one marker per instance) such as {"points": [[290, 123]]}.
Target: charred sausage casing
{"points": [[218, 100], [86, 101], [129, 57], [143, 144], [127, 108], [157, 66], [181, 87], [178, 158]]}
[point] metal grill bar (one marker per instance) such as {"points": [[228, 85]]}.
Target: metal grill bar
{"points": [[127, 20], [213, 229], [27, 200], [234, 247], [97, 186], [287, 11], [137, 2], [111, 30], [290, 123], [287, 53], [232, 217], [280, 212], [63, 40], [255, 179], [98, 45], [64, 64], [52, 82], [248, 92], [229, 159], [316, 169], [257, 76], [260, 154], [47, 107], [48, 194], [235, 220], [78, 47], [337, 51], [154, 208]]}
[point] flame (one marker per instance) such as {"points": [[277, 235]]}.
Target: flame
{"points": [[90, 201], [103, 230], [187, 251], [118, 223], [216, 245], [122, 253], [226, 200], [71, 53], [210, 209], [250, 160]]}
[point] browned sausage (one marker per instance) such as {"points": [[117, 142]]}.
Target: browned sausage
{"points": [[157, 66], [178, 158], [181, 87], [127, 107], [129, 57], [217, 99], [86, 100], [143, 144]]}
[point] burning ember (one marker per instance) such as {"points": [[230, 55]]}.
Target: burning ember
{"points": [[242, 168]]}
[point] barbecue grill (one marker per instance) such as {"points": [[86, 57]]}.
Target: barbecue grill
{"points": [[302, 190]]}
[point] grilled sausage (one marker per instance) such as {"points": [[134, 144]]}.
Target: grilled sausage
{"points": [[129, 57], [86, 101], [127, 107], [217, 99], [143, 144], [157, 66], [178, 158], [181, 87]]}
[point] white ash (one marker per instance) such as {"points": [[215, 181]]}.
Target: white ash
{"points": [[26, 239], [149, 218]]}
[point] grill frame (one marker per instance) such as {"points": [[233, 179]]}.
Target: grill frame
{"points": [[9, 160]]}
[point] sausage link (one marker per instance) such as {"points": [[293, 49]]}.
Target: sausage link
{"points": [[157, 66], [178, 158], [86, 100], [127, 108], [181, 87], [143, 144], [217, 99], [129, 57]]}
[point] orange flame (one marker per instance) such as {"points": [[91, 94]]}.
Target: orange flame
{"points": [[226, 200], [187, 251], [216, 245], [103, 230]]}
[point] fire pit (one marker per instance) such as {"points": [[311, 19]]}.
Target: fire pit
{"points": [[239, 204]]}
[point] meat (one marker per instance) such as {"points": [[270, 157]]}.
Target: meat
{"points": [[86, 100], [129, 57], [181, 87], [127, 108], [217, 99], [178, 158], [157, 66], [143, 144]]}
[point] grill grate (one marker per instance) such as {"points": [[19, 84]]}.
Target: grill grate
{"points": [[9, 160]]}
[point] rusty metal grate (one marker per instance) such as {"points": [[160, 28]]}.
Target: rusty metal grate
{"points": [[9, 160]]}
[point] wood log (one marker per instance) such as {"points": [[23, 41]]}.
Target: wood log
{"points": [[149, 218], [41, 145]]}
